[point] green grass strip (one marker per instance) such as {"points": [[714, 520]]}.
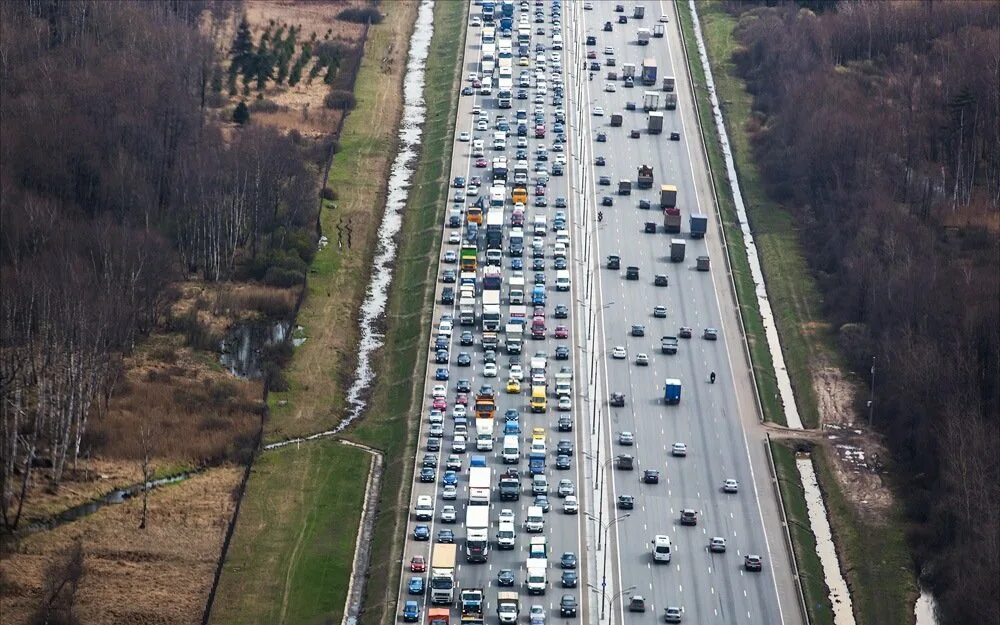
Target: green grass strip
{"points": [[292, 553]]}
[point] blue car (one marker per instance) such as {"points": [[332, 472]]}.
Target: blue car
{"points": [[511, 415], [511, 428], [421, 532], [411, 613], [450, 478], [441, 374], [516, 264], [416, 585]]}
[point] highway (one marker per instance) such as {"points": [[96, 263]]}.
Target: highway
{"points": [[612, 545], [563, 531], [707, 587]]}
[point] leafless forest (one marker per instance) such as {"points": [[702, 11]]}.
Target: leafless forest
{"points": [[118, 175], [880, 121]]}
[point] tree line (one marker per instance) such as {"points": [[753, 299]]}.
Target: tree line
{"points": [[879, 123], [117, 178]]}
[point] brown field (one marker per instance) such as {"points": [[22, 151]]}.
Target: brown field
{"points": [[300, 107], [158, 575]]}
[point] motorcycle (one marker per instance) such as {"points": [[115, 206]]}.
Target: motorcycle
{"points": [[711, 377], [600, 216]]}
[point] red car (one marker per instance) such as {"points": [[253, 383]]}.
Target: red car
{"points": [[538, 311], [418, 564], [539, 190], [481, 162], [463, 399], [477, 84], [591, 54], [562, 332], [439, 403]]}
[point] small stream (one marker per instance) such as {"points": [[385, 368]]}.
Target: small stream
{"points": [[410, 134], [117, 496], [925, 608]]}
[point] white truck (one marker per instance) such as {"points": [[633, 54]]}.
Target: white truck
{"points": [[508, 607], [480, 479], [535, 579], [643, 35], [511, 452], [443, 574], [491, 311], [484, 435], [515, 290], [477, 527], [538, 548], [564, 382]]}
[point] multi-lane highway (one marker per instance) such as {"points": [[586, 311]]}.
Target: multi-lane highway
{"points": [[613, 545]]}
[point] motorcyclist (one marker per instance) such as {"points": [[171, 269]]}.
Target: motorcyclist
{"points": [[711, 377], [591, 75], [600, 217]]}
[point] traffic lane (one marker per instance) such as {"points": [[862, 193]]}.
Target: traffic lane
{"points": [[459, 166]]}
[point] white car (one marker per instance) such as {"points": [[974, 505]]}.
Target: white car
{"points": [[449, 492], [609, 51], [455, 238], [473, 77], [664, 18], [476, 21], [439, 390], [506, 515], [459, 411], [565, 403], [482, 125], [450, 257], [598, 111], [536, 616], [490, 370], [610, 87], [472, 190], [436, 416], [679, 449], [642, 360], [570, 505], [516, 372], [464, 136], [619, 353], [458, 445], [448, 514], [730, 486], [588, 6]]}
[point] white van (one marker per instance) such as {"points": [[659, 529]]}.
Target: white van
{"points": [[511, 451], [661, 548], [540, 225], [562, 280], [539, 485], [425, 508], [506, 536], [534, 522], [557, 42], [559, 251], [478, 147]]}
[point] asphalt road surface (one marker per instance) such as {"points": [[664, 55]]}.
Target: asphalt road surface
{"points": [[615, 563]]}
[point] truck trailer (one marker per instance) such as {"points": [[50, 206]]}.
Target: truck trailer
{"points": [[672, 391], [655, 125], [649, 71], [442, 581], [477, 527], [677, 247], [480, 483], [645, 177]]}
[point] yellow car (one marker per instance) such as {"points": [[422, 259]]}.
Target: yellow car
{"points": [[523, 61], [513, 386]]}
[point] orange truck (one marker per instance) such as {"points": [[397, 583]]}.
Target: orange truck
{"points": [[439, 616]]}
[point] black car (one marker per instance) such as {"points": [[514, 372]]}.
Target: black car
{"points": [[441, 357], [660, 280], [563, 462], [617, 400], [464, 360], [463, 386], [522, 94], [562, 353], [650, 227], [644, 204], [446, 536], [564, 447], [466, 339], [689, 517], [568, 560], [675, 136], [626, 502], [538, 264], [560, 263], [430, 460], [505, 578], [607, 201], [614, 262], [448, 295], [685, 332], [440, 343], [638, 330], [599, 161], [448, 276], [651, 476], [567, 605], [570, 579], [634, 134], [433, 444], [561, 312], [539, 278], [565, 423], [604, 181], [601, 137], [427, 474]]}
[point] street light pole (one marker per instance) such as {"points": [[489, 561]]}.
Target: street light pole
{"points": [[620, 594], [604, 572]]}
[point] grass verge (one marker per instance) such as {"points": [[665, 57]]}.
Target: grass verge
{"points": [[338, 277], [753, 325], [814, 588], [396, 398], [291, 555], [875, 556]]}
